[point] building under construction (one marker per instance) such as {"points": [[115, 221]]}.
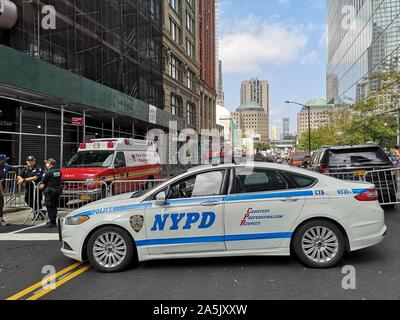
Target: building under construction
{"points": [[79, 69]]}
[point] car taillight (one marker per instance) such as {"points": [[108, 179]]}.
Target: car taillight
{"points": [[369, 195], [324, 170], [82, 146]]}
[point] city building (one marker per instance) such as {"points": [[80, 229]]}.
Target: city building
{"points": [[220, 86], [251, 117], [226, 120], [320, 114], [208, 51], [257, 91], [286, 128], [362, 39], [189, 53], [182, 60], [78, 70], [274, 133]]}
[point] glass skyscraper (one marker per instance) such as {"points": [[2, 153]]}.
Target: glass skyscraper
{"points": [[363, 37]]}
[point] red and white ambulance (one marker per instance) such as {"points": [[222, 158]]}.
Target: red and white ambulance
{"points": [[100, 162]]}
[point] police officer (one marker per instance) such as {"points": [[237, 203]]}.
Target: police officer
{"points": [[51, 184], [31, 173]]}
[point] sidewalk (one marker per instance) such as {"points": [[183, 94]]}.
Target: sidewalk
{"points": [[18, 216]]}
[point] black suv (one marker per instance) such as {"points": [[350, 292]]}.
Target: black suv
{"points": [[357, 162]]}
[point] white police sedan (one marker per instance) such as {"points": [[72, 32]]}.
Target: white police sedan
{"points": [[229, 210]]}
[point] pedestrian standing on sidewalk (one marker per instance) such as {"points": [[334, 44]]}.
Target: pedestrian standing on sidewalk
{"points": [[51, 184], [31, 173], [4, 170]]}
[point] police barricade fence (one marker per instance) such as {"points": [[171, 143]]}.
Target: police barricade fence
{"points": [[386, 181], [75, 194], [131, 186], [23, 196]]}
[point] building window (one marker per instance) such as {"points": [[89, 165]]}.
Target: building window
{"points": [[190, 79], [174, 68], [176, 5], [176, 105], [191, 3], [174, 31], [191, 114], [189, 23], [190, 49]]}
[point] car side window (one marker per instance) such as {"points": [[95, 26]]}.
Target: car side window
{"points": [[299, 181], [201, 185], [257, 180], [120, 160]]}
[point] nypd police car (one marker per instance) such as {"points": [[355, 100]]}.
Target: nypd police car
{"points": [[229, 210]]}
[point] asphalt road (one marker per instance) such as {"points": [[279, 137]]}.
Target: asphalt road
{"points": [[377, 274]]}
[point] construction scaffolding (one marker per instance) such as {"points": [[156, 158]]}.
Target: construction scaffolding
{"points": [[117, 43]]}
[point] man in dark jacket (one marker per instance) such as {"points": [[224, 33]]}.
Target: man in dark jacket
{"points": [[51, 184]]}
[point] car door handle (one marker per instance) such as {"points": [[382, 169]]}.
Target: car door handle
{"points": [[290, 200], [210, 203]]}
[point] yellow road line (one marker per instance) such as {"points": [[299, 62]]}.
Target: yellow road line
{"points": [[60, 283], [28, 290]]}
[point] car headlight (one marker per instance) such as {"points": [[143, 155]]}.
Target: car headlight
{"points": [[75, 221]]}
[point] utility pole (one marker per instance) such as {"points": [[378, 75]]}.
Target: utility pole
{"points": [[309, 121]]}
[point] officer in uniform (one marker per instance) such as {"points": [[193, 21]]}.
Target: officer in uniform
{"points": [[31, 173], [51, 184]]}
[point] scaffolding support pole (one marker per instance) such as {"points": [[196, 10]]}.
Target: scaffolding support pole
{"points": [[62, 137], [20, 135]]}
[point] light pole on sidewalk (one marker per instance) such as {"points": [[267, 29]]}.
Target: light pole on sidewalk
{"points": [[309, 121]]}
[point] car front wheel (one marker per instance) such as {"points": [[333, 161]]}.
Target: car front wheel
{"points": [[319, 244], [110, 249]]}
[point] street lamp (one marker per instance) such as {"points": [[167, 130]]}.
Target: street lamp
{"points": [[309, 121]]}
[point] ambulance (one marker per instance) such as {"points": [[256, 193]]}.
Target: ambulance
{"points": [[100, 162]]}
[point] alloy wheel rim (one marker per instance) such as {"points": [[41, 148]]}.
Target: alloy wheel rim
{"points": [[109, 250], [320, 244]]}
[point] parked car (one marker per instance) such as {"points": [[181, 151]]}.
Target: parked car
{"points": [[298, 159], [358, 162], [228, 211]]}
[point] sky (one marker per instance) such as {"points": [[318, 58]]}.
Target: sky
{"points": [[282, 41]]}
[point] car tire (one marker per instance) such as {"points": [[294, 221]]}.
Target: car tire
{"points": [[321, 238], [110, 249]]}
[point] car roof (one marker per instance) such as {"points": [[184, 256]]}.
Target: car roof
{"points": [[358, 146], [261, 165]]}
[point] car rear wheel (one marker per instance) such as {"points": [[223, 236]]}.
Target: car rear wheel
{"points": [[319, 244], [110, 249]]}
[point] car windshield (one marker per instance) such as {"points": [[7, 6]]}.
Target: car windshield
{"points": [[91, 159], [358, 157]]}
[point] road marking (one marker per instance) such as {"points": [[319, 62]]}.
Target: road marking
{"points": [[29, 237], [29, 228], [38, 285], [59, 283]]}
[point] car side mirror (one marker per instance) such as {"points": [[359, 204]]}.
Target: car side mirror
{"points": [[160, 200]]}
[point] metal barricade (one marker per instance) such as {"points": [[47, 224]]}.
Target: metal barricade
{"points": [[23, 196], [34, 201], [386, 181], [348, 176], [127, 186], [75, 194]]}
